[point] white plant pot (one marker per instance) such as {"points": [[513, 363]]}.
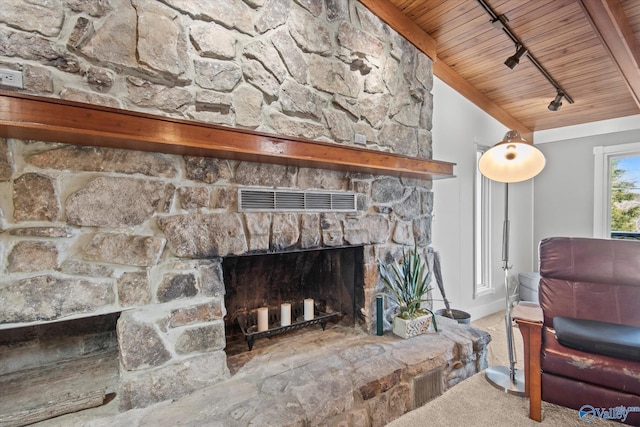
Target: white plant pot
{"points": [[410, 328]]}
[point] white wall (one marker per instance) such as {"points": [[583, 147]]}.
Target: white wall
{"points": [[564, 190], [563, 194], [457, 126]]}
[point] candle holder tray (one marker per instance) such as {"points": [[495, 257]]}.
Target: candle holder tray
{"points": [[249, 323]]}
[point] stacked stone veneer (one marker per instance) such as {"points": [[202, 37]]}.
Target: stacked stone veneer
{"points": [[308, 68], [92, 230]]}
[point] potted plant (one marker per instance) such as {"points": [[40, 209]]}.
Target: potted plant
{"points": [[407, 280]]}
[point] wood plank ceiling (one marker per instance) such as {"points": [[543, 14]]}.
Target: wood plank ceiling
{"points": [[596, 63]]}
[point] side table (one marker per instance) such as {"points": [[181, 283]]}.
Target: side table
{"points": [[529, 318]]}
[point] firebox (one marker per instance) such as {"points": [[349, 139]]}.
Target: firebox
{"points": [[333, 278]]}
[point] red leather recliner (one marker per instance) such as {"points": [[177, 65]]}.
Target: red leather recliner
{"points": [[592, 280]]}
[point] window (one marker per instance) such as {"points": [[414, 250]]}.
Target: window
{"points": [[482, 230], [616, 195], [624, 218]]}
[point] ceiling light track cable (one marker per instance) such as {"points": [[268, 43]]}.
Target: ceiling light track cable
{"points": [[500, 22]]}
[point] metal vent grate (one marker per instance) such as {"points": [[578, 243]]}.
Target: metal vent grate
{"points": [[257, 199], [291, 200], [343, 201], [427, 387]]}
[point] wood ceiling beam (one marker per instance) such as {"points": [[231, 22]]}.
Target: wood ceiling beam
{"points": [[48, 119], [400, 22], [612, 27]]}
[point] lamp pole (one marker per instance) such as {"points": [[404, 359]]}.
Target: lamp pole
{"points": [[506, 267], [507, 378]]}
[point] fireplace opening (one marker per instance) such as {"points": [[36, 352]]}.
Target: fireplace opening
{"points": [[332, 278], [59, 367]]}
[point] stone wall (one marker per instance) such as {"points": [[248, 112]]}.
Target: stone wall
{"points": [[143, 233], [317, 69]]}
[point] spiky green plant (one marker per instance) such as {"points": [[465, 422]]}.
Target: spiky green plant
{"points": [[407, 280]]}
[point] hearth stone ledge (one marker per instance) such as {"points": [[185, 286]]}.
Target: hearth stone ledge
{"points": [[359, 380]]}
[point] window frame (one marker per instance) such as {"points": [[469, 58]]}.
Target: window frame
{"points": [[482, 194], [602, 185]]}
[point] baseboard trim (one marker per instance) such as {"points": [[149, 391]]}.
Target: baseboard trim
{"points": [[486, 309]]}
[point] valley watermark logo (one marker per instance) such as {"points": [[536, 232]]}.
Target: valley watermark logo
{"points": [[589, 413]]}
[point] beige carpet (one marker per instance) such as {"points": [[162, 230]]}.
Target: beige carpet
{"points": [[475, 402]]}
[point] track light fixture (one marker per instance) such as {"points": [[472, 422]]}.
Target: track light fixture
{"points": [[557, 102], [513, 61], [500, 22]]}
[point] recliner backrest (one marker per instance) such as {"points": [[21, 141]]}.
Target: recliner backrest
{"points": [[585, 278]]}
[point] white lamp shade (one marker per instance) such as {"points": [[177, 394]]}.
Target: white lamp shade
{"points": [[511, 160]]}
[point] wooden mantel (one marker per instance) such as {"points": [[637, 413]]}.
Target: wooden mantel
{"points": [[47, 119]]}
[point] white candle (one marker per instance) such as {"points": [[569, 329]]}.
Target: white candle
{"points": [[285, 314], [308, 309], [263, 319]]}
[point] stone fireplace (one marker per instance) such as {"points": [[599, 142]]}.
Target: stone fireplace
{"points": [[75, 247], [135, 243]]}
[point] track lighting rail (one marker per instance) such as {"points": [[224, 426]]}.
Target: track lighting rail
{"points": [[501, 23]]}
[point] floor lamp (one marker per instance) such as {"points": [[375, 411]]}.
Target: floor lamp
{"points": [[513, 159]]}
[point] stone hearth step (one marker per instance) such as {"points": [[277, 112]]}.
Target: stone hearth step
{"points": [[336, 377]]}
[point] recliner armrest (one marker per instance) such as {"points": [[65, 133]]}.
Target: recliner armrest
{"points": [[592, 336], [527, 311]]}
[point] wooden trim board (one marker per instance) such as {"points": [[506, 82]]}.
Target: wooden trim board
{"points": [[47, 119]]}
